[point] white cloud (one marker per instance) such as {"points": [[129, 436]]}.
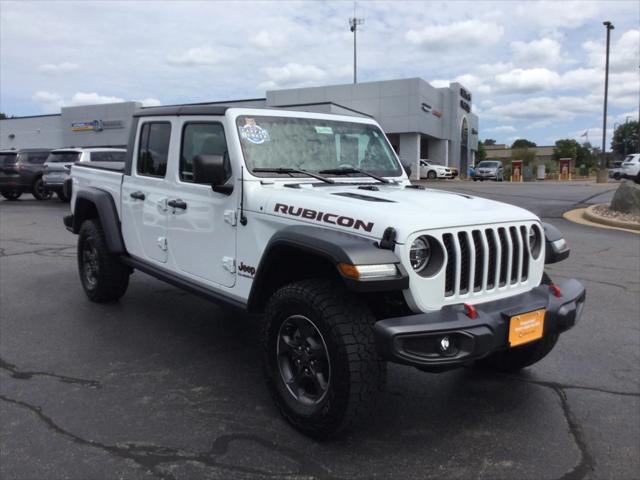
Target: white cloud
{"points": [[265, 39], [544, 109], [555, 14], [48, 101], [526, 81], [149, 102], [543, 52], [623, 55], [466, 34], [52, 102], [301, 75], [594, 135], [501, 129], [56, 68], [197, 56], [92, 98]]}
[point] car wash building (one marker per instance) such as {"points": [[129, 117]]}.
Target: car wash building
{"points": [[421, 121]]}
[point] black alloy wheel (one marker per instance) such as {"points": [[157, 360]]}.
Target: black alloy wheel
{"points": [[303, 360], [90, 263], [40, 191]]}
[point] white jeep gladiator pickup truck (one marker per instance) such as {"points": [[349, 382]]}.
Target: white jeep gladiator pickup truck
{"points": [[311, 220]]}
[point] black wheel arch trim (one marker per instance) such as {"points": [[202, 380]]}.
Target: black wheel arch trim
{"points": [[107, 214], [335, 247], [551, 254]]}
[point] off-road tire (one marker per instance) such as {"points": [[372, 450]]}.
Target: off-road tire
{"points": [[357, 373], [111, 278], [39, 191], [517, 358], [11, 195]]}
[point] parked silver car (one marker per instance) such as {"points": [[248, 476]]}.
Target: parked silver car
{"points": [[489, 170], [58, 164]]}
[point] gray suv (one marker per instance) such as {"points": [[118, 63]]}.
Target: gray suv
{"points": [[58, 166], [21, 171]]}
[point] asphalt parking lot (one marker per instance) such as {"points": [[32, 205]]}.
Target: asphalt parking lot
{"points": [[166, 385]]}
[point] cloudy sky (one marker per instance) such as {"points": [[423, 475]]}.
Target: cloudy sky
{"points": [[535, 68]]}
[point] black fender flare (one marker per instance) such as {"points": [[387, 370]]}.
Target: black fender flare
{"points": [[107, 213], [554, 252], [335, 247]]}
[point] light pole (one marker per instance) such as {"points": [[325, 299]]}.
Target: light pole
{"points": [[354, 23], [602, 176]]}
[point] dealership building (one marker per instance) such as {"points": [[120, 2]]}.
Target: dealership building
{"points": [[420, 120]]}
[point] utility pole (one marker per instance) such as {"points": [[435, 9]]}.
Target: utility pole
{"points": [[602, 172], [354, 22]]}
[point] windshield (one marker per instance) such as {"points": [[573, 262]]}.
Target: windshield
{"points": [[314, 145], [63, 157], [8, 158], [488, 164]]}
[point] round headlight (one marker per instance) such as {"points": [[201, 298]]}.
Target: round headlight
{"points": [[535, 241], [419, 254]]}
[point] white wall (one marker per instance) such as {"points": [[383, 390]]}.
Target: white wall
{"points": [[31, 132]]}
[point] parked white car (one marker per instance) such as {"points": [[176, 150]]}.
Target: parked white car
{"points": [[631, 167], [58, 165], [432, 170]]}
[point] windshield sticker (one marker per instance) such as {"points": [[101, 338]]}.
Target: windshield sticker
{"points": [[254, 133], [324, 130]]}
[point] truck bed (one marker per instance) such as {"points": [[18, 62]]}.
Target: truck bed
{"points": [[105, 176]]}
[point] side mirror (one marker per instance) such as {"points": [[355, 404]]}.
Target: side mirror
{"points": [[211, 170], [407, 169]]}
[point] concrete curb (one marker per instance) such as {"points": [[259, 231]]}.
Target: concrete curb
{"points": [[578, 216], [591, 215]]}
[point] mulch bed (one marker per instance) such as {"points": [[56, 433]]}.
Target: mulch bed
{"points": [[605, 211]]}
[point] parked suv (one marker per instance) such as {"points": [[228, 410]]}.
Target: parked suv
{"points": [[630, 167], [58, 165], [21, 171], [489, 170], [615, 171]]}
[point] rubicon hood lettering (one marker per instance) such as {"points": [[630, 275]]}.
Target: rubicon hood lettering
{"points": [[332, 218]]}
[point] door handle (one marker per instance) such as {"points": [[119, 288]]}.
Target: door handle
{"points": [[137, 195], [177, 203]]}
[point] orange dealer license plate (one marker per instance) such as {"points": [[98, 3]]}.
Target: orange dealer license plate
{"points": [[526, 327]]}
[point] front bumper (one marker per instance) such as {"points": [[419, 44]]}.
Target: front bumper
{"points": [[415, 339]]}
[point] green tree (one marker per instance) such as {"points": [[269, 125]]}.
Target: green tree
{"points": [[625, 139], [3, 116], [481, 154], [565, 148], [525, 154], [489, 141], [585, 156], [523, 143]]}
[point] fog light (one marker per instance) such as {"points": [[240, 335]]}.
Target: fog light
{"points": [[448, 346]]}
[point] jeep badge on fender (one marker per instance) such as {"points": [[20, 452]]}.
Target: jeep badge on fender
{"points": [[348, 266]]}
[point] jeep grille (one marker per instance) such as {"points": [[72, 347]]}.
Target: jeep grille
{"points": [[479, 259]]}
